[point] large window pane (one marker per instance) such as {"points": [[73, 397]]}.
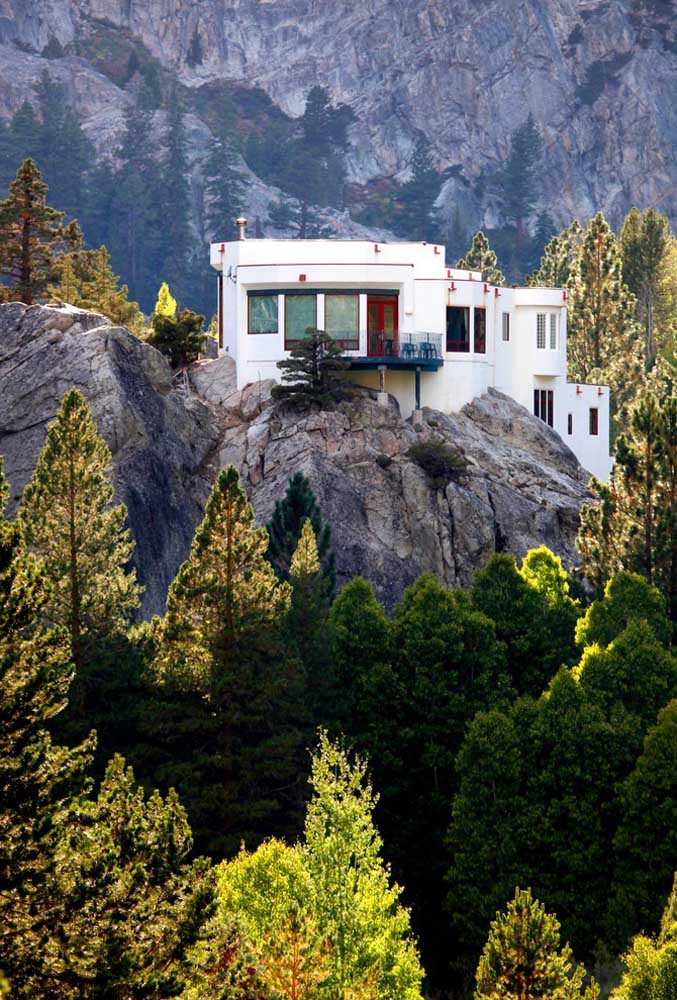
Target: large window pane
{"points": [[341, 319], [300, 315], [263, 314], [458, 329]]}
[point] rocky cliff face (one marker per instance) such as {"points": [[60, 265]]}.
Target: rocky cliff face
{"points": [[522, 485], [599, 77]]}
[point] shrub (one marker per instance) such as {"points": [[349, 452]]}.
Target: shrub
{"points": [[440, 461]]}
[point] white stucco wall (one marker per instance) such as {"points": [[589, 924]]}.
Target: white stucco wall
{"points": [[425, 287]]}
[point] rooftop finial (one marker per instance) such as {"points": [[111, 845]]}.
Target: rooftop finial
{"points": [[241, 224]]}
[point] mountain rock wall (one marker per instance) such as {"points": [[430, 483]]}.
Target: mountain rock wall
{"points": [[599, 77]]}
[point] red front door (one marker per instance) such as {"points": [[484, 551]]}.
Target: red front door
{"points": [[382, 325]]}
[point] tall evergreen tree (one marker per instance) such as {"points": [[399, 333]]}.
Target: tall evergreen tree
{"points": [[518, 178], [602, 336], [558, 257], [219, 667], [417, 197], [38, 780], [32, 235], [632, 524], [650, 971], [523, 958], [65, 152], [224, 191], [284, 531], [372, 952], [176, 208], [480, 257], [67, 520], [645, 242]]}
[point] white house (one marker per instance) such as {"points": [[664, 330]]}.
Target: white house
{"points": [[429, 334]]}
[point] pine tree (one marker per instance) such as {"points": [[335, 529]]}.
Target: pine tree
{"points": [[480, 257], [372, 952], [85, 279], [65, 152], [224, 191], [632, 524], [32, 235], [645, 242], [314, 371], [285, 526], [650, 969], [523, 958], [558, 258], [180, 337], [219, 667], [520, 189], [602, 336], [39, 780], [166, 303], [176, 206], [417, 196], [67, 520], [135, 904]]}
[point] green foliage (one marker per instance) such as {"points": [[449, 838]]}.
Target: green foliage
{"points": [[627, 598], [85, 279], [32, 235], [519, 175], [524, 622], [651, 963], [67, 520], [313, 372], [285, 526], [219, 667], [646, 841], [523, 957], [415, 213], [602, 337], [440, 461], [646, 242], [480, 257], [558, 257], [632, 523], [372, 952], [179, 338], [166, 303]]}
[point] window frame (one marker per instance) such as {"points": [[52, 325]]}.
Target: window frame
{"points": [[540, 317], [297, 295], [554, 331], [505, 327], [593, 421], [570, 424], [479, 312], [544, 406], [462, 346], [262, 295], [354, 343]]}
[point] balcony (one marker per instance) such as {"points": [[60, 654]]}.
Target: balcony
{"points": [[399, 350]]}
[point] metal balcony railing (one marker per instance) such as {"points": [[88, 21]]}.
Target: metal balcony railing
{"points": [[408, 346]]}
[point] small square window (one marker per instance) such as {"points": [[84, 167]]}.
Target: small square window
{"points": [[540, 331], [594, 421], [506, 326]]}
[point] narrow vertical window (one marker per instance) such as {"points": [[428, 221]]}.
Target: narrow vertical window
{"points": [[506, 326], [594, 421], [540, 331], [553, 331], [219, 308], [480, 331], [570, 423], [544, 406]]}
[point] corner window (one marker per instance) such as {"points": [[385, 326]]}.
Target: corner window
{"points": [[594, 421], [458, 329], [553, 331], [480, 331], [544, 405], [342, 320], [505, 327], [570, 423], [262, 313], [540, 331], [300, 316]]}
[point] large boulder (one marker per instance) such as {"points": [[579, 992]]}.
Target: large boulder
{"points": [[521, 486]]}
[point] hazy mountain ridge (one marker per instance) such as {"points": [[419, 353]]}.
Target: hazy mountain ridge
{"points": [[598, 76]]}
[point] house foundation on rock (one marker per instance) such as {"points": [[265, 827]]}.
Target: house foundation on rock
{"points": [[410, 325]]}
